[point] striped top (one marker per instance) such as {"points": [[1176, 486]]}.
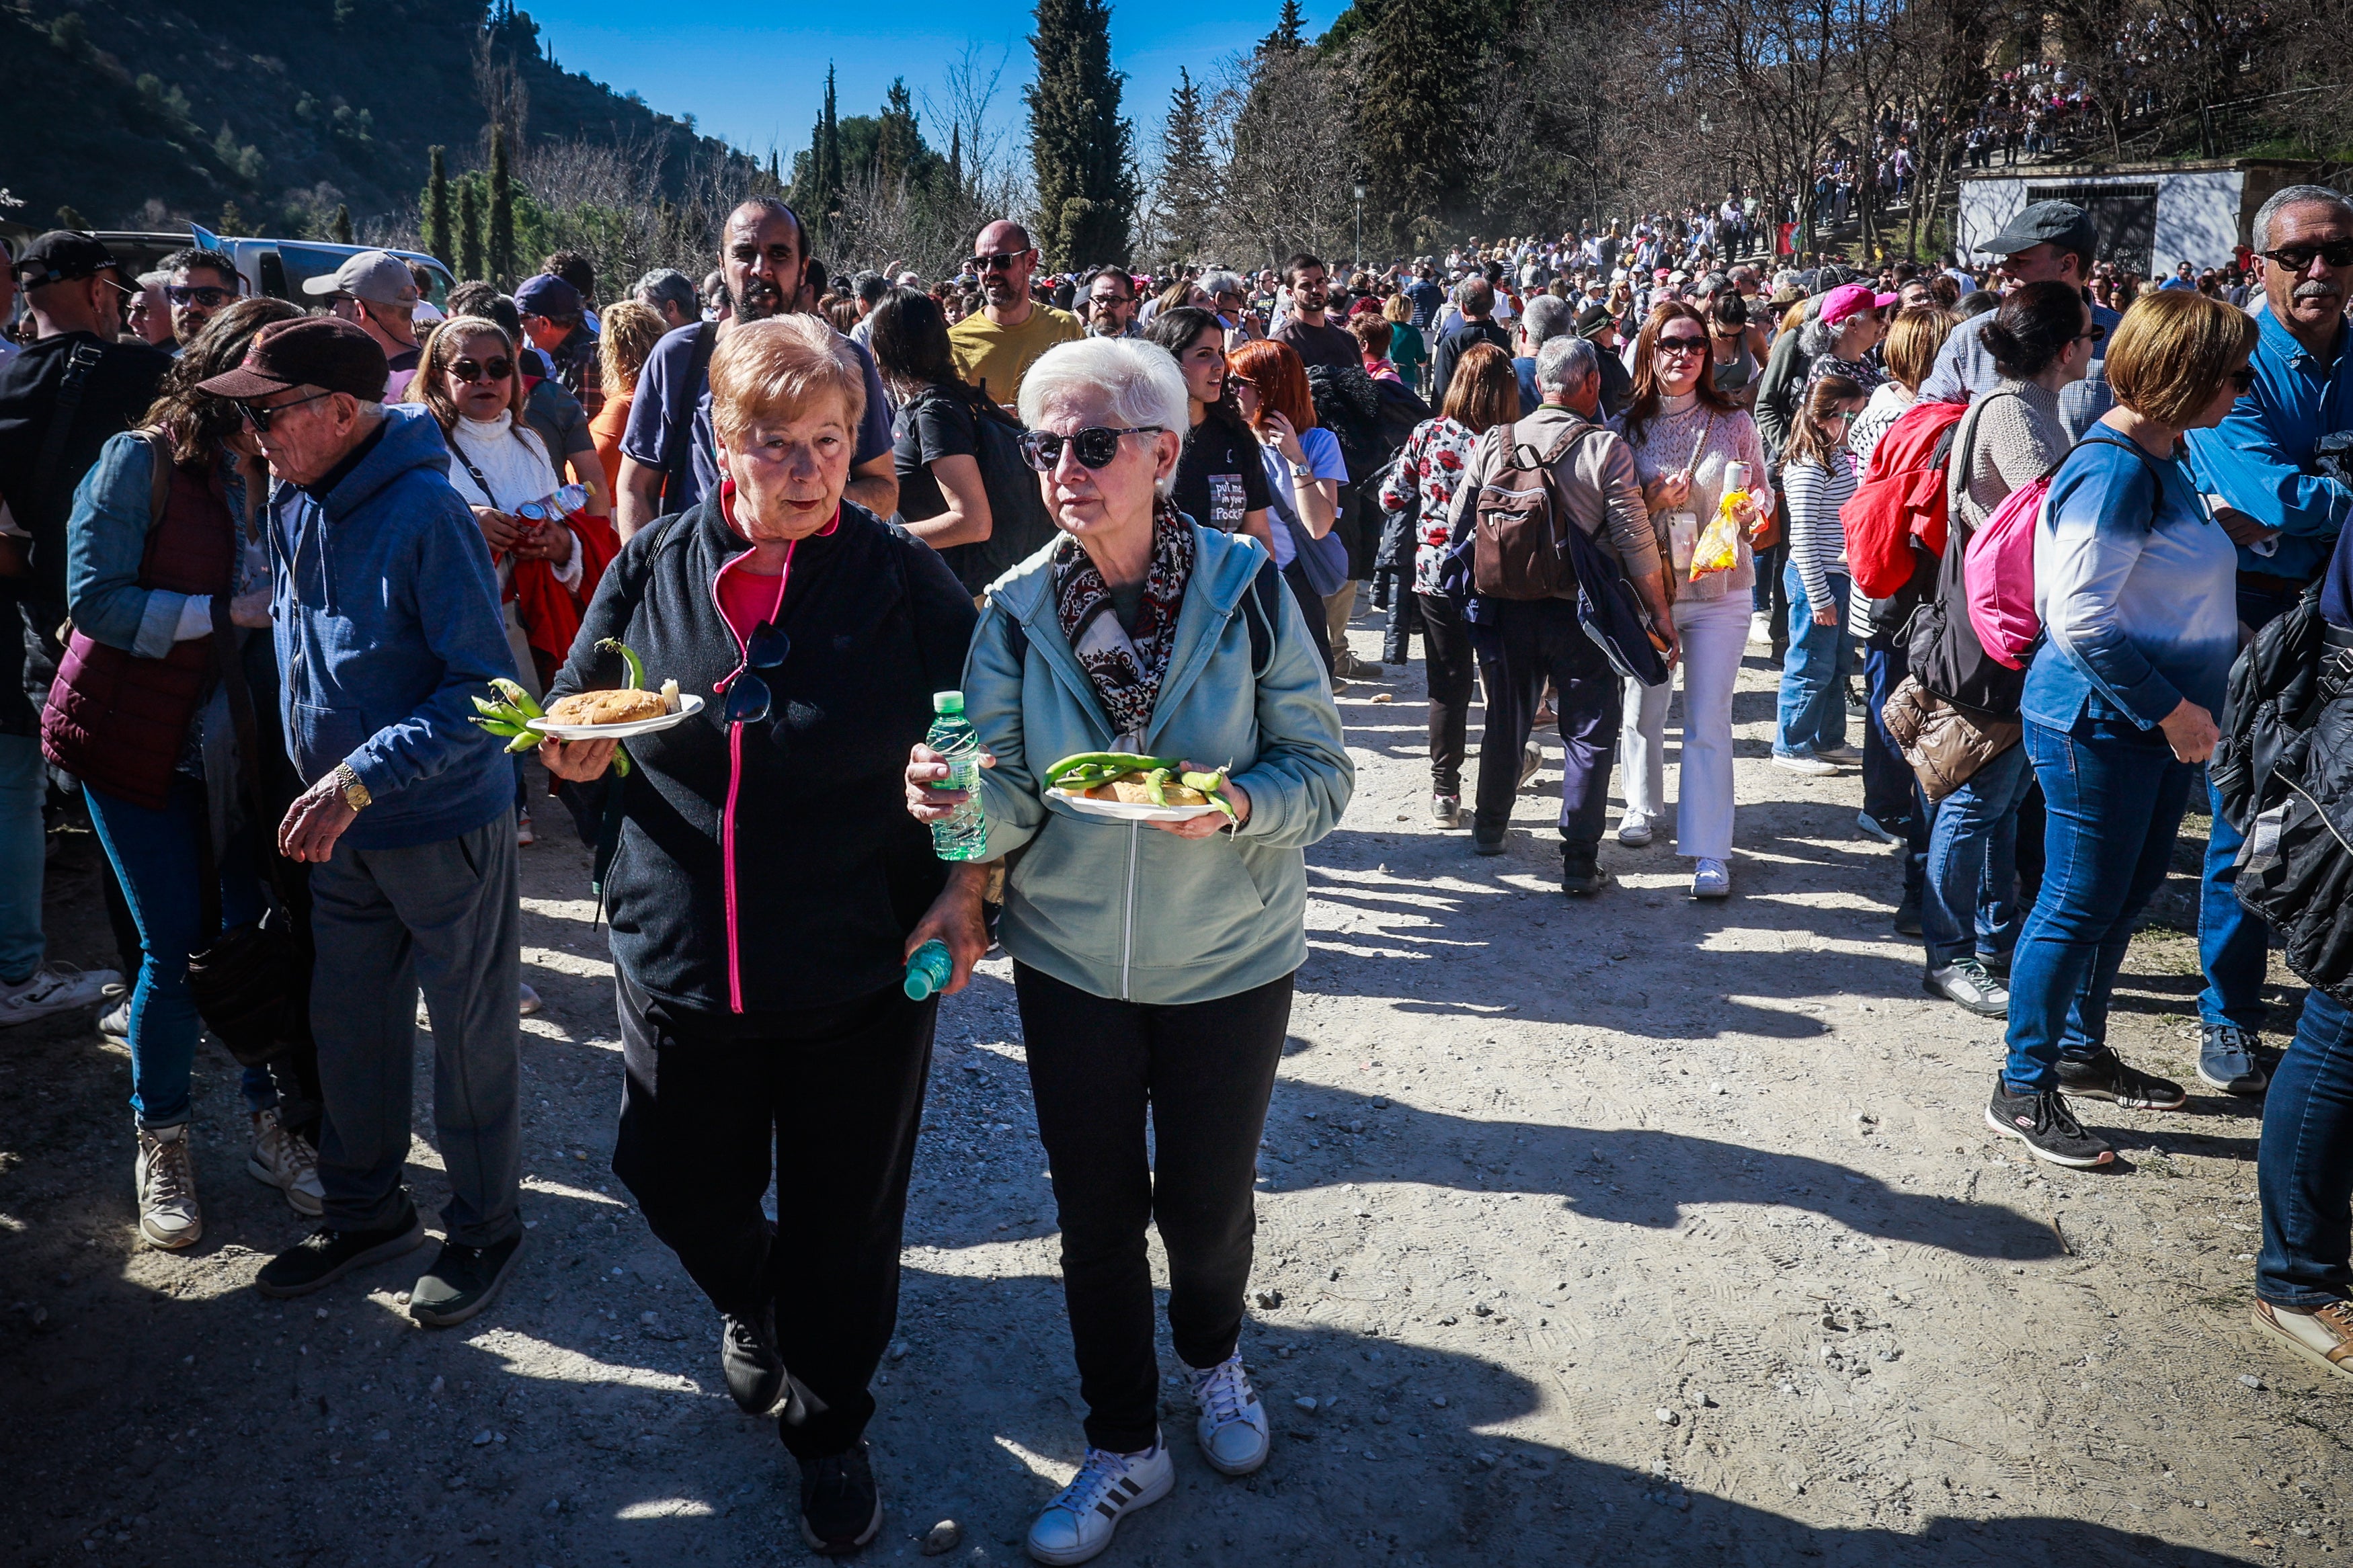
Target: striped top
{"points": [[1812, 494]]}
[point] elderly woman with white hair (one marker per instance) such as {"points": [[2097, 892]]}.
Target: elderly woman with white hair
{"points": [[1153, 962], [767, 889]]}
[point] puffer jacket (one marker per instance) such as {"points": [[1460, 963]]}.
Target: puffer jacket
{"points": [[1125, 910]]}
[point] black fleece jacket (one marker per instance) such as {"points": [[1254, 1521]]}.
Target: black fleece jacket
{"points": [[830, 871]]}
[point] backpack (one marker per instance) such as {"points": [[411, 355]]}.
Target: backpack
{"points": [[1371, 420], [1518, 550], [1999, 570], [1018, 524], [1900, 498]]}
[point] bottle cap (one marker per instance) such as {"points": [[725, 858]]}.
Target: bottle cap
{"points": [[947, 701]]}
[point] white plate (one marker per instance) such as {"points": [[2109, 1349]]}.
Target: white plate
{"points": [[688, 706], [1131, 811]]}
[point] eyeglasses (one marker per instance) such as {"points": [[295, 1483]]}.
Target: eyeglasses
{"points": [[2242, 380], [192, 294], [748, 698], [1002, 261], [2296, 258], [473, 369], [1681, 345], [1097, 446], [258, 415]]}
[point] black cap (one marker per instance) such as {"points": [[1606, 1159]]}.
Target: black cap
{"points": [[325, 352], [2062, 224], [61, 256]]}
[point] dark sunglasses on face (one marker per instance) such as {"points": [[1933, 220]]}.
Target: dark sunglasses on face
{"points": [[192, 294], [2242, 380], [470, 370], [2296, 258], [258, 415], [1681, 345], [1097, 446], [1003, 260], [748, 698]]}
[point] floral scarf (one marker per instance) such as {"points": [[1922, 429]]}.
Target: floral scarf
{"points": [[1127, 670]]}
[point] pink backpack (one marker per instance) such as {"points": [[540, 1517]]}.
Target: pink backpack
{"points": [[1999, 569]]}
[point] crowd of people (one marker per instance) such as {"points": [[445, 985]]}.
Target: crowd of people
{"points": [[271, 564]]}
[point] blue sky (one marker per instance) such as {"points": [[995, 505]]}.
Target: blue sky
{"points": [[756, 86]]}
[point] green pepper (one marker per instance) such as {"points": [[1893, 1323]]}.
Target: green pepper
{"points": [[527, 742], [1119, 762], [505, 727], [517, 698], [628, 656], [1156, 784]]}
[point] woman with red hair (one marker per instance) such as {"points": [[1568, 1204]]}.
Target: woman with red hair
{"points": [[1304, 470]]}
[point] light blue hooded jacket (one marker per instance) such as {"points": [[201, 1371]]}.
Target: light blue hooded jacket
{"points": [[1122, 910]]}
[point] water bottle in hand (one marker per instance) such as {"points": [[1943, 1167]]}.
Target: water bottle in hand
{"points": [[927, 970], [964, 835]]}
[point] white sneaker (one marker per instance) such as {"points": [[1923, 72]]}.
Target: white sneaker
{"points": [[1079, 1523], [1710, 878], [115, 1022], [1634, 830], [1804, 762], [169, 1216], [1233, 1430], [1761, 628], [52, 988], [285, 1161]]}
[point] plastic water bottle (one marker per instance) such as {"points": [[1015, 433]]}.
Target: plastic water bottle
{"points": [[965, 836], [928, 970]]}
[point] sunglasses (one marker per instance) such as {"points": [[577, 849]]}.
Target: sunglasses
{"points": [[472, 370], [748, 698], [192, 294], [2242, 381], [260, 415], [1681, 345], [1097, 446], [2091, 334], [1002, 261], [2296, 258]]}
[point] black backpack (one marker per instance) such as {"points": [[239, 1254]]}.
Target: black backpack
{"points": [[1371, 426], [1020, 525]]}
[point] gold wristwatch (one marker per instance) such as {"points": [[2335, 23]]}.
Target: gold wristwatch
{"points": [[355, 793]]}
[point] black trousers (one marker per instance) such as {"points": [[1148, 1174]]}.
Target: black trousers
{"points": [[839, 1093], [1534, 640], [1405, 619], [1203, 1073], [1446, 643]]}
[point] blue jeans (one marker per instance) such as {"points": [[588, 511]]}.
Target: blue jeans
{"points": [[2304, 1168], [2233, 945], [1971, 901], [1813, 675], [155, 853], [2114, 795], [23, 783]]}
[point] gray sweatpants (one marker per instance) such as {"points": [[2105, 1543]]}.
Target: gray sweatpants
{"points": [[444, 916]]}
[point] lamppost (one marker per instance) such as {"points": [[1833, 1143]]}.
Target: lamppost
{"points": [[1360, 227]]}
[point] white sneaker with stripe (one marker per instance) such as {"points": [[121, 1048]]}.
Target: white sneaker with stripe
{"points": [[1233, 1428], [1078, 1524]]}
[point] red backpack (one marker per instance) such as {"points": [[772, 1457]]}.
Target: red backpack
{"points": [[1901, 498]]}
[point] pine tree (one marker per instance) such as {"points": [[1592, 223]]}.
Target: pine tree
{"points": [[1186, 200], [898, 142], [436, 206], [1082, 151], [469, 231], [1414, 97], [1290, 28], [502, 256], [338, 228]]}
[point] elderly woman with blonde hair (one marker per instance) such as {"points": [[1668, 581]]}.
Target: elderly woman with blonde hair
{"points": [[1153, 961], [765, 887]]}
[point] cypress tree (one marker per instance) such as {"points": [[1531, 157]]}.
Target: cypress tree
{"points": [[1412, 100], [828, 159], [502, 257], [955, 156], [469, 231], [340, 228], [436, 207], [1081, 151], [897, 141], [1187, 194]]}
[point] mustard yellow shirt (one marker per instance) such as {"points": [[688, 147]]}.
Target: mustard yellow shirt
{"points": [[1000, 356]]}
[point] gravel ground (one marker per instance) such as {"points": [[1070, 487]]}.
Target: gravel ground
{"points": [[1606, 1232]]}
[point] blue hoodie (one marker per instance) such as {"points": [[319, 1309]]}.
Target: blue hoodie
{"points": [[387, 626]]}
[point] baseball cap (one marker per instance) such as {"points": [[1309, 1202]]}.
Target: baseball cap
{"points": [[547, 295], [2061, 223], [61, 256], [1849, 298], [325, 352], [376, 276]]}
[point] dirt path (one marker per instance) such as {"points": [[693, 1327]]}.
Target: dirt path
{"points": [[1632, 1231]]}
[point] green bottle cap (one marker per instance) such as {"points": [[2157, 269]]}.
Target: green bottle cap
{"points": [[947, 701]]}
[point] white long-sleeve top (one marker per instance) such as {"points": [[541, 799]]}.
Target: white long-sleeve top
{"points": [[513, 467]]}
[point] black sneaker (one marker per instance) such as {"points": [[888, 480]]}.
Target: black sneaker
{"points": [[1907, 916], [2045, 1125], [2226, 1060], [1580, 878], [841, 1510], [2105, 1077], [326, 1255], [1486, 846], [747, 1354], [462, 1281]]}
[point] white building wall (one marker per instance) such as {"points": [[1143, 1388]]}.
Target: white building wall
{"points": [[2197, 219]]}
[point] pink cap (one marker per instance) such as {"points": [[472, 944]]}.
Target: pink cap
{"points": [[1849, 298]]}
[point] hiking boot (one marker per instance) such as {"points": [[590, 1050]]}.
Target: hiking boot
{"points": [[51, 989], [840, 1509], [1581, 877], [2226, 1060], [1710, 878], [285, 1161], [1634, 830], [462, 1281], [1234, 1431], [1966, 984], [326, 1255], [169, 1215], [1804, 762], [1078, 1524], [2046, 1125], [1446, 811], [2321, 1335], [748, 1358], [2105, 1076]]}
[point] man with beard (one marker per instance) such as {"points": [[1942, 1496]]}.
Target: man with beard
{"points": [[668, 458], [1304, 328], [996, 344], [1108, 300], [201, 284], [2284, 513]]}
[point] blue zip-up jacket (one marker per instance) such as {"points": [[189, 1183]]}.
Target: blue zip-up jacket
{"points": [[387, 626], [2259, 460]]}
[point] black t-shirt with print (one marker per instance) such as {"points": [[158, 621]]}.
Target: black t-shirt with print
{"points": [[1221, 475]]}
